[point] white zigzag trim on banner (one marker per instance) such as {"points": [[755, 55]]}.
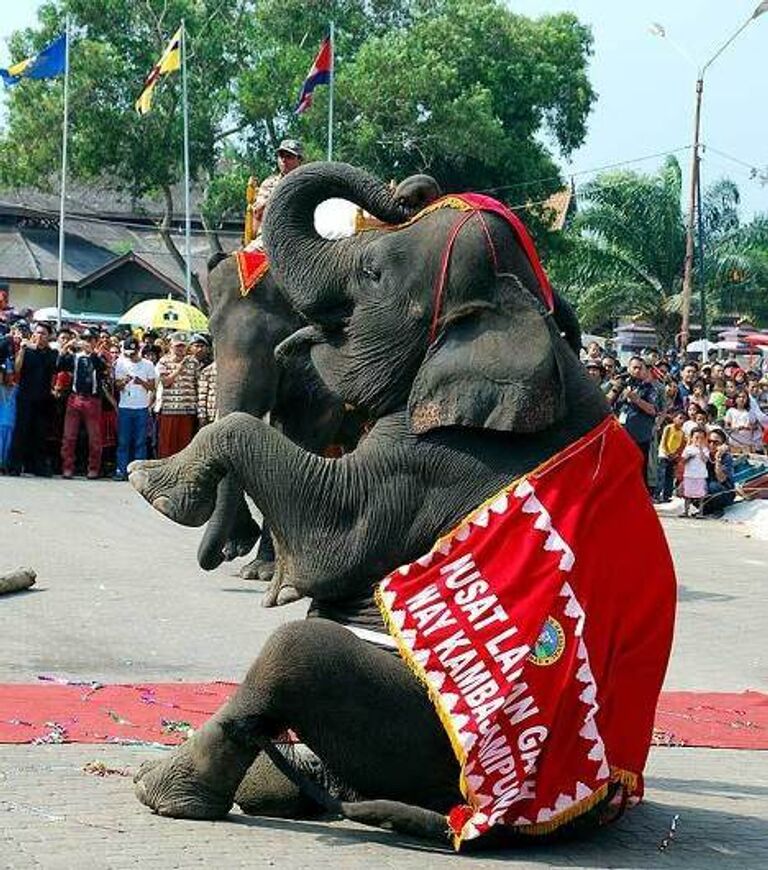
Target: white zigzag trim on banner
{"points": [[449, 701], [426, 560], [436, 679], [475, 782], [582, 791], [459, 721], [463, 533], [589, 730], [554, 542], [388, 598], [523, 489], [499, 505], [421, 656]]}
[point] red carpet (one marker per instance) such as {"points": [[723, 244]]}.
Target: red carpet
{"points": [[58, 712], [54, 711], [721, 720]]}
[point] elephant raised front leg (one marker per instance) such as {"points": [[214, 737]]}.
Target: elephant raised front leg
{"points": [[231, 532], [330, 687]]}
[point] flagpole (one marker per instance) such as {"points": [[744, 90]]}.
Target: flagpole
{"points": [[64, 131], [330, 95], [185, 108]]}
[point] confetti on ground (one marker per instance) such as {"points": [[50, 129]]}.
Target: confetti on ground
{"points": [[663, 845], [99, 768]]}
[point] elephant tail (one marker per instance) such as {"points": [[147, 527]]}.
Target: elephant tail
{"points": [[396, 816], [403, 818]]}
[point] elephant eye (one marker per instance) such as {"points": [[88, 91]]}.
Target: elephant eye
{"points": [[371, 274]]}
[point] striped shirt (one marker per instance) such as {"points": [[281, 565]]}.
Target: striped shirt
{"points": [[181, 396]]}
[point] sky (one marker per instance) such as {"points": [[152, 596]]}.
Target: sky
{"points": [[646, 87]]}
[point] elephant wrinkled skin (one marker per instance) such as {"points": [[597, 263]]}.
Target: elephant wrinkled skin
{"points": [[498, 391]]}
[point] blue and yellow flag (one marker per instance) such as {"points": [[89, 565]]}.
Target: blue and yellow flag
{"points": [[46, 64], [169, 62]]}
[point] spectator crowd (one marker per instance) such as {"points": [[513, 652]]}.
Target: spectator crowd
{"points": [[89, 402], [690, 420]]}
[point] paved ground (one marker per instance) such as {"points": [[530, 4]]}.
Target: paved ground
{"points": [[120, 598]]}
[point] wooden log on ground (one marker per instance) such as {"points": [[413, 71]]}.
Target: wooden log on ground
{"points": [[17, 580]]}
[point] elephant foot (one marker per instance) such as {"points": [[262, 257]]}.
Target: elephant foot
{"points": [[258, 569], [197, 781], [182, 490], [280, 592], [265, 791]]}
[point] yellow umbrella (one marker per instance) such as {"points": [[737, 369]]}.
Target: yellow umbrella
{"points": [[166, 314]]}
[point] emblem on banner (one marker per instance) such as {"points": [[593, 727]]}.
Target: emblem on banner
{"points": [[550, 643]]}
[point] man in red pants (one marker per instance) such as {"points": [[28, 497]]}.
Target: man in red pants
{"points": [[87, 367]]}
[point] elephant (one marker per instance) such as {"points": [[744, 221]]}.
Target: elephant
{"points": [[245, 330], [468, 389], [249, 378]]}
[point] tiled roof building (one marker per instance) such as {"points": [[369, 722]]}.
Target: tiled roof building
{"points": [[114, 256]]}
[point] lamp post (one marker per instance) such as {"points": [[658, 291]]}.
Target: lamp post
{"points": [[658, 30]]}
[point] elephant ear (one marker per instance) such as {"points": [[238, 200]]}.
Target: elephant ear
{"points": [[494, 368]]}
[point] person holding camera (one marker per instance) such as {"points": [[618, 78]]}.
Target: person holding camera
{"points": [[35, 367], [636, 405], [721, 485], [81, 358]]}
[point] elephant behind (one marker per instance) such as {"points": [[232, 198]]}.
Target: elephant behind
{"points": [[247, 327]]}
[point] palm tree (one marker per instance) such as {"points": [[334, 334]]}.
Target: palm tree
{"points": [[736, 269], [625, 250]]}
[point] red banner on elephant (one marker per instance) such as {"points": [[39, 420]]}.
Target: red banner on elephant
{"points": [[542, 627]]}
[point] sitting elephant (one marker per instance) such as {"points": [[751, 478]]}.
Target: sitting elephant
{"points": [[438, 329]]}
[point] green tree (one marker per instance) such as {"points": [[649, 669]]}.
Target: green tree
{"points": [[114, 46], [737, 271], [464, 89], [625, 250]]}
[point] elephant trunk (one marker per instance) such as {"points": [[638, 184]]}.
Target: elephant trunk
{"points": [[313, 270]]}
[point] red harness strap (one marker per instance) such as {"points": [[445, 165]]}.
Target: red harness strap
{"points": [[475, 204]]}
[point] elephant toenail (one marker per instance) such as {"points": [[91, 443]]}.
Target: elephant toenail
{"points": [[163, 504], [137, 478]]}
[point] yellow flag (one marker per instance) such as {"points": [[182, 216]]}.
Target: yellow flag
{"points": [[168, 63]]}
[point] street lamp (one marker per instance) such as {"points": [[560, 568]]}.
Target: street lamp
{"points": [[658, 30]]}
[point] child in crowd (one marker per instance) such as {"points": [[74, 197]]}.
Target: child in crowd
{"points": [[7, 413], [697, 419], [699, 395], [718, 398], [739, 424], [670, 449], [694, 488]]}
